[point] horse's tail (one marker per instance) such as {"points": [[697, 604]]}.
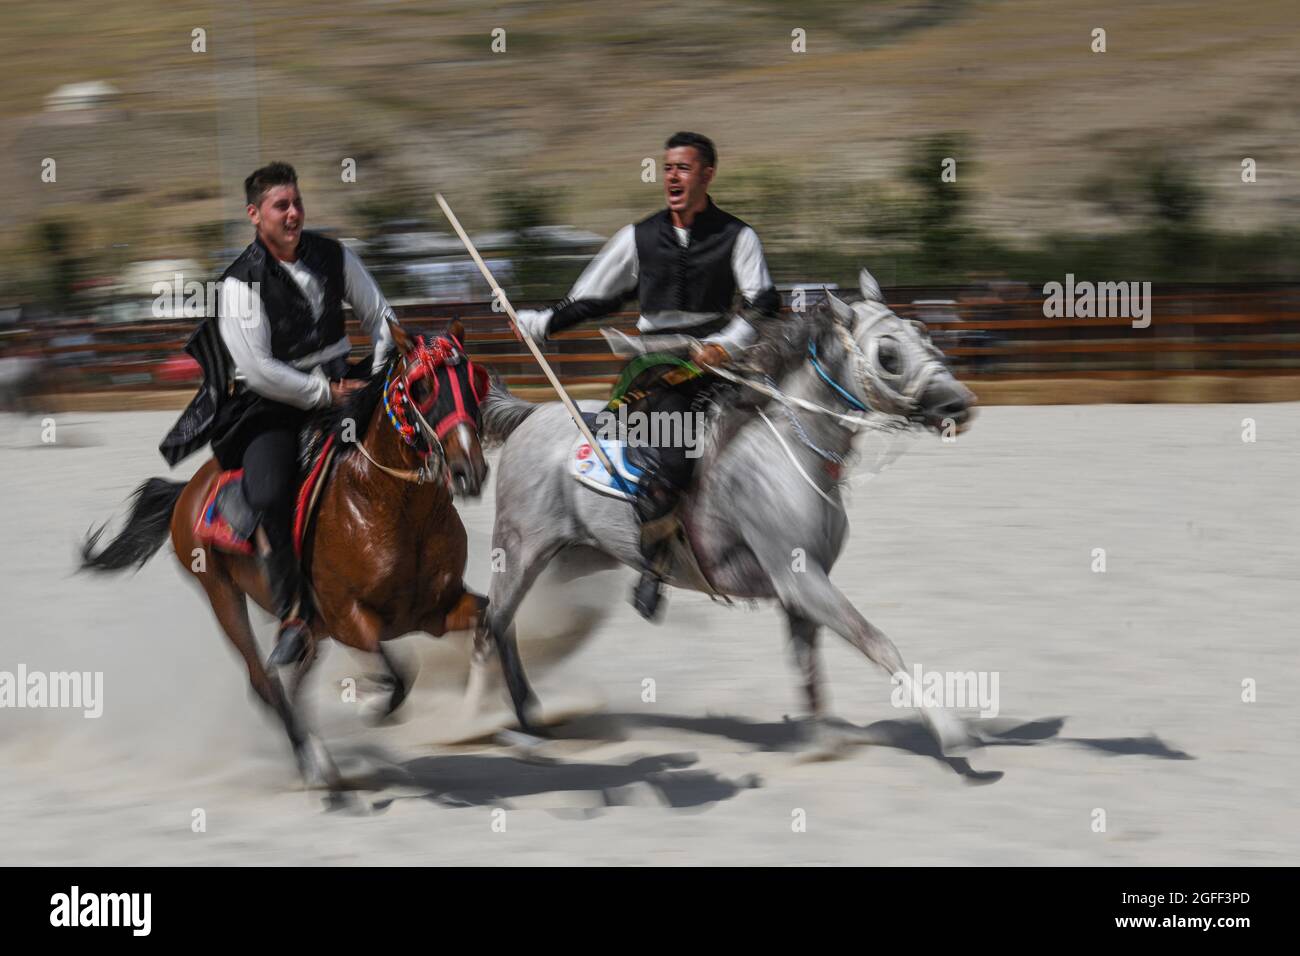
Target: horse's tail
{"points": [[501, 413], [145, 531]]}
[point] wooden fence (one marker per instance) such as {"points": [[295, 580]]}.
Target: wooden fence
{"points": [[1193, 331]]}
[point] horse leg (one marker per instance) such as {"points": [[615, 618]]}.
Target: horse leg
{"points": [[803, 638], [231, 609], [378, 706], [512, 668], [400, 687], [357, 626], [479, 663], [497, 632], [822, 741], [811, 595]]}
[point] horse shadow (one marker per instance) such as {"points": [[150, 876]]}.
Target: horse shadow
{"points": [[909, 734], [502, 780], [667, 780]]}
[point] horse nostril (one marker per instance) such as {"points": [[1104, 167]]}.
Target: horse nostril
{"points": [[947, 399], [956, 406]]}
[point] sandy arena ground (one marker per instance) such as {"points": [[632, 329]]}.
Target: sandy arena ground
{"points": [[1119, 690]]}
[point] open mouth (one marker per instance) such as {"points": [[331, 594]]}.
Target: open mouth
{"points": [[676, 192]]}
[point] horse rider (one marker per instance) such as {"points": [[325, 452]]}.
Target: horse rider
{"points": [[281, 328], [684, 265]]}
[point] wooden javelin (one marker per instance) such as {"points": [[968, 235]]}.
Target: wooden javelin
{"points": [[532, 346]]}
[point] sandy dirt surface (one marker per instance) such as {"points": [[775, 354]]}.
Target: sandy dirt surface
{"points": [[1119, 691]]}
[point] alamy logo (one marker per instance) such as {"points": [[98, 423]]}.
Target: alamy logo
{"points": [[57, 689], [179, 299], [103, 909], [654, 430], [946, 689], [1101, 300]]}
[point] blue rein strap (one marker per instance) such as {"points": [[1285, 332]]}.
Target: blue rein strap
{"points": [[843, 393]]}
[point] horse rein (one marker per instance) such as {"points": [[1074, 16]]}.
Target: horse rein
{"points": [[851, 422], [868, 417]]}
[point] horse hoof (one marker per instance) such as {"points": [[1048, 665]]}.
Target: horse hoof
{"points": [[950, 733], [315, 766], [291, 646], [958, 743], [524, 741], [536, 731], [821, 742], [381, 697]]}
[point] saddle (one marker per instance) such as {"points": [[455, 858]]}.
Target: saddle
{"points": [[614, 428], [227, 523], [626, 429]]}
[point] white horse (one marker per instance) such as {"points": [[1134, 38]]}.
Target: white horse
{"points": [[771, 488]]}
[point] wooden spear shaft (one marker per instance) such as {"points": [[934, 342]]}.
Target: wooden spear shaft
{"points": [[597, 450]]}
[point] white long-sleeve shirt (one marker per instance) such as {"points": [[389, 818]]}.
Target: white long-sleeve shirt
{"points": [[302, 384], [615, 272]]}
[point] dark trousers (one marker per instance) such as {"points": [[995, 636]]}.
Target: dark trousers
{"points": [[671, 462], [669, 469], [270, 481]]}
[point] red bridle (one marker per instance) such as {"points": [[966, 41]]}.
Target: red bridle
{"points": [[423, 362]]}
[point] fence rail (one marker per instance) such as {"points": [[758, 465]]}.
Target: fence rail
{"points": [[1193, 330]]}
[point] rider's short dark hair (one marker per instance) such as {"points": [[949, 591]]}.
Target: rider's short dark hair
{"points": [[269, 176], [703, 145]]}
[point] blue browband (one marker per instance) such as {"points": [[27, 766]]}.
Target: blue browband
{"points": [[844, 393]]}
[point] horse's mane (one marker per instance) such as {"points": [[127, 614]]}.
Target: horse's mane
{"points": [[782, 344], [354, 414]]}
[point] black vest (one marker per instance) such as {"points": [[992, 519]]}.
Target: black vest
{"points": [[295, 332], [692, 278]]}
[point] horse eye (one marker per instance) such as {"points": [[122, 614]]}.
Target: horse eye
{"points": [[888, 354]]}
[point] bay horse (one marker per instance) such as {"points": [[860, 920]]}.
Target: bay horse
{"points": [[386, 555]]}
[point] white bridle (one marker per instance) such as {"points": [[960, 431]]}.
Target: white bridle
{"points": [[919, 360]]}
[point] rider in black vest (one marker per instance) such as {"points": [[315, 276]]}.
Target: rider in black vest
{"points": [[280, 351], [684, 265]]}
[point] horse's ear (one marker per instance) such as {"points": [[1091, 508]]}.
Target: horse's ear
{"points": [[457, 330], [840, 310], [400, 337], [869, 287]]}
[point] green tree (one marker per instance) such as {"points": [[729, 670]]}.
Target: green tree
{"points": [[522, 210], [1175, 205], [54, 242], [941, 203]]}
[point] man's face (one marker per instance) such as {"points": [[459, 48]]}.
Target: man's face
{"points": [[279, 216], [686, 178]]}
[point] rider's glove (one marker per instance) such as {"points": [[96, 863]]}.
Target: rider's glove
{"points": [[535, 323], [710, 353]]}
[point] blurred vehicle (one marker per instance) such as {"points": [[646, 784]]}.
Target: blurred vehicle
{"points": [[453, 280], [138, 289]]}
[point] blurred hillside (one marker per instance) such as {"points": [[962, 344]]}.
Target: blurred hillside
{"points": [[818, 149]]}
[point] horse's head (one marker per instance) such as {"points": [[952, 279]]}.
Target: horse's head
{"points": [[893, 366], [433, 402]]}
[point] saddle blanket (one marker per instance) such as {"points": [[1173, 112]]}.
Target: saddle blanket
{"points": [[216, 531], [587, 469]]}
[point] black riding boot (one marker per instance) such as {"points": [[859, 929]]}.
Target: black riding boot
{"points": [[656, 506], [282, 571]]}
